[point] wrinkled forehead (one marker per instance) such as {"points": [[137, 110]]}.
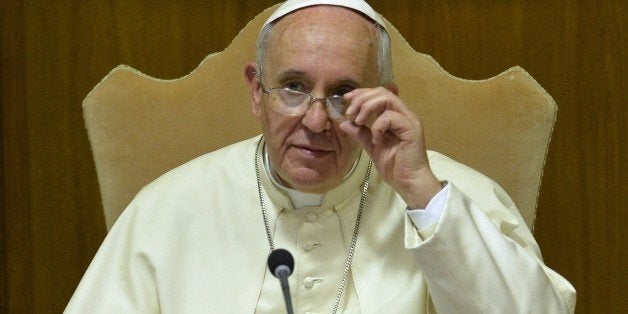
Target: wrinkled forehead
{"points": [[359, 6], [321, 41]]}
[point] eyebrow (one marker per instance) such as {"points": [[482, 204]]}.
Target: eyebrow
{"points": [[298, 73], [351, 82], [290, 73]]}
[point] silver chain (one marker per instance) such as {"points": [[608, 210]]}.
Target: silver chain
{"points": [[356, 229], [261, 197]]}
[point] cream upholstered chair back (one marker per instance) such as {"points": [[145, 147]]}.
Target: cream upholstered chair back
{"points": [[140, 127]]}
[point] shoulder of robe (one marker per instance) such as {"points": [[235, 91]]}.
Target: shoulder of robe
{"points": [[233, 161], [183, 195], [482, 190]]}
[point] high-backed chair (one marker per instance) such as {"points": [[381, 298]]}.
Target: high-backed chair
{"points": [[140, 127]]}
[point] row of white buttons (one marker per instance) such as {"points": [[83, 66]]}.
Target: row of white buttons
{"points": [[309, 282]]}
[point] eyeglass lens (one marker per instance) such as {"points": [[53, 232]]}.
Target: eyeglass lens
{"points": [[291, 102]]}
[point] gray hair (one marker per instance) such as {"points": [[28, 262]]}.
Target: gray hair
{"points": [[384, 56]]}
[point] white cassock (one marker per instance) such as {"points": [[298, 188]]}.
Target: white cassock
{"points": [[194, 241]]}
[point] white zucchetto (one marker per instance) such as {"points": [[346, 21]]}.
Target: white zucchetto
{"points": [[357, 5]]}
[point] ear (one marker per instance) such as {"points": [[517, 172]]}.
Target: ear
{"points": [[392, 88], [252, 78]]}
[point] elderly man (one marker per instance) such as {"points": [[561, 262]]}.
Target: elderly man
{"points": [[342, 179]]}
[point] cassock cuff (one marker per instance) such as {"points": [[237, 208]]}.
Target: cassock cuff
{"points": [[426, 218]]}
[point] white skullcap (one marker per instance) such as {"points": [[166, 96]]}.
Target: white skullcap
{"points": [[357, 5]]}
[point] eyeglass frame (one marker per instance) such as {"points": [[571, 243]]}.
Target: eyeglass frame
{"points": [[312, 100]]}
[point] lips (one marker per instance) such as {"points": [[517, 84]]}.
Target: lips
{"points": [[314, 148], [315, 151]]}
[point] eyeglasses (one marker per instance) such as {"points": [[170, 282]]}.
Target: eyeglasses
{"points": [[291, 102]]}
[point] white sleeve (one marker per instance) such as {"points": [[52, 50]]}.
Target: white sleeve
{"points": [[426, 218], [484, 259]]}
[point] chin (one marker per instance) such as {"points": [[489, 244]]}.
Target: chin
{"points": [[311, 181]]}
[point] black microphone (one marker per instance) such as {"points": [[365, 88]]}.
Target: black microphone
{"points": [[281, 263]]}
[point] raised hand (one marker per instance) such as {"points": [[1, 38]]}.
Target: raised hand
{"points": [[392, 135]]}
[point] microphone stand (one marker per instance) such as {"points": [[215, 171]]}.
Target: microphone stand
{"points": [[282, 272], [280, 264]]}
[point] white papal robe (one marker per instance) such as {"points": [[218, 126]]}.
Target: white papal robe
{"points": [[194, 241]]}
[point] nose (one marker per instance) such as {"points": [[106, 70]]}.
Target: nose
{"points": [[316, 118]]}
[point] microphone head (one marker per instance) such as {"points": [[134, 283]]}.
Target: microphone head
{"points": [[279, 257]]}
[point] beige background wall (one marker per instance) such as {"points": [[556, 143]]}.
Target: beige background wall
{"points": [[53, 52]]}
